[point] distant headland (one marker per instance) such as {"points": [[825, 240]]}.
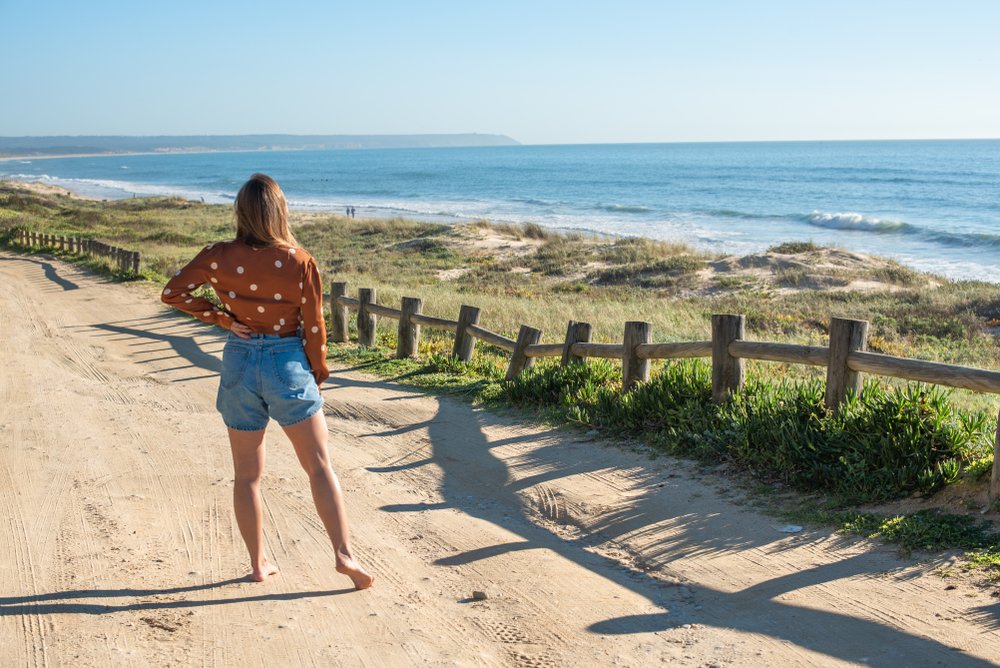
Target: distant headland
{"points": [[39, 147]]}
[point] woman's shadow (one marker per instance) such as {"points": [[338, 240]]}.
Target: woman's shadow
{"points": [[72, 601]]}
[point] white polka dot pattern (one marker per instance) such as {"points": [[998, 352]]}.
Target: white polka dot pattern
{"points": [[290, 276]]}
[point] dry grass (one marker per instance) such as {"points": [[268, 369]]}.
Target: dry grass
{"points": [[522, 275]]}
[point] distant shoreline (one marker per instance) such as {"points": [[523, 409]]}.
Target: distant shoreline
{"points": [[112, 154], [75, 146]]}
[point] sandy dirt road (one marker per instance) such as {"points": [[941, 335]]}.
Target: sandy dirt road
{"points": [[118, 545]]}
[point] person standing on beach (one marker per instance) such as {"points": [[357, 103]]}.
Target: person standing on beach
{"points": [[273, 362]]}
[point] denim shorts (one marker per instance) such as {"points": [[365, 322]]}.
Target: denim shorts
{"points": [[266, 376]]}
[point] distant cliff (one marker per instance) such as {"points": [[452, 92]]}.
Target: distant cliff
{"points": [[70, 145]]}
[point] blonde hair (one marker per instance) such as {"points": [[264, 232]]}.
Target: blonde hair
{"points": [[262, 213]]}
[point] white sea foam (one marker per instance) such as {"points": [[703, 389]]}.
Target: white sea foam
{"points": [[854, 221]]}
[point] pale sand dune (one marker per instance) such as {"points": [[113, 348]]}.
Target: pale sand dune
{"points": [[118, 546]]}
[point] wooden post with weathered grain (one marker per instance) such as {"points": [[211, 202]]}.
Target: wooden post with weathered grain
{"points": [[366, 319], [995, 478], [846, 336], [464, 343], [338, 313], [527, 336], [728, 372], [408, 335], [135, 262], [634, 369], [576, 332]]}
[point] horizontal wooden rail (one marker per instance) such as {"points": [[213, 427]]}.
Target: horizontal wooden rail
{"points": [[431, 321], [349, 302], [605, 350], [384, 311], [486, 336], [664, 351], [544, 350], [951, 375], [780, 352], [126, 261]]}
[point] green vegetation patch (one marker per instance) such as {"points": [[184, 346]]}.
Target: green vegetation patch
{"points": [[883, 444], [928, 530]]}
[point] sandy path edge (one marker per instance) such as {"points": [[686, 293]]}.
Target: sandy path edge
{"points": [[117, 545]]}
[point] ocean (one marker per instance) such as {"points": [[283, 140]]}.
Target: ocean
{"points": [[932, 205]]}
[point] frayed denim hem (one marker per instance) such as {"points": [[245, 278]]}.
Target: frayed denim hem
{"points": [[234, 428], [311, 413]]}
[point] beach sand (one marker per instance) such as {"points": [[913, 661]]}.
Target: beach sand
{"points": [[118, 545]]}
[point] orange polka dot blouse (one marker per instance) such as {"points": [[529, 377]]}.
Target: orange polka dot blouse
{"points": [[272, 290]]}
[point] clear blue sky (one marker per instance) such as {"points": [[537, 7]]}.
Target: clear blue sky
{"points": [[540, 71]]}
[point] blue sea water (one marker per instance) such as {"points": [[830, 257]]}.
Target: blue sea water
{"points": [[933, 205]]}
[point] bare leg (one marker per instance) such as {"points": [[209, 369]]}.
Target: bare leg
{"points": [[248, 466], [309, 440]]}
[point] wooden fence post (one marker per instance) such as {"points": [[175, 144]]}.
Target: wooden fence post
{"points": [[338, 313], [366, 320], [576, 332], [635, 370], [846, 336], [408, 335], [135, 262], [518, 360], [464, 343], [995, 479], [728, 372]]}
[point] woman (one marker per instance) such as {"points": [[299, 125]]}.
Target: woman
{"points": [[273, 362]]}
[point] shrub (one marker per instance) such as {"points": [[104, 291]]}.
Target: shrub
{"points": [[883, 443], [793, 247]]}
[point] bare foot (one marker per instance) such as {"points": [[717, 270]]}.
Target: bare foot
{"points": [[358, 575], [263, 571]]}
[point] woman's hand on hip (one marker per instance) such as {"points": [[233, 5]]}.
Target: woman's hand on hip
{"points": [[241, 330]]}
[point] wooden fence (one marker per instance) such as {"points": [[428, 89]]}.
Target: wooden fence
{"points": [[126, 261], [846, 357]]}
